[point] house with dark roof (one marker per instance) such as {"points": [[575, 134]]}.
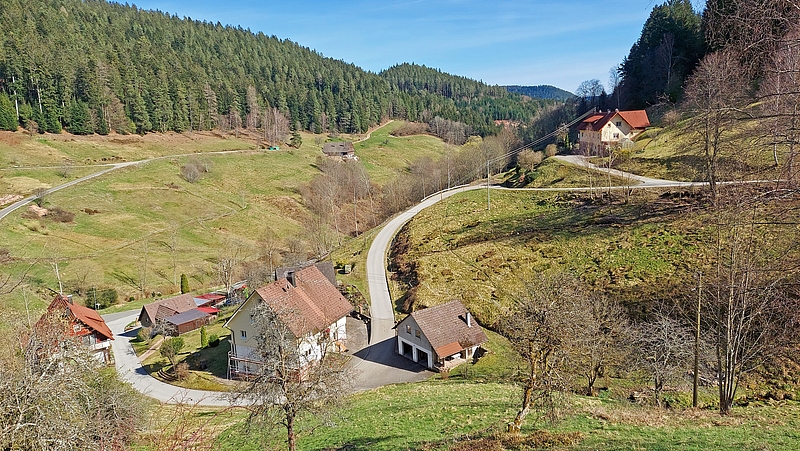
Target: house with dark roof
{"points": [[187, 321], [325, 267], [307, 303], [83, 325], [601, 131], [342, 149], [439, 337], [154, 313]]}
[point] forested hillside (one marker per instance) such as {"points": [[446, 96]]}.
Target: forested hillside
{"points": [[91, 66], [542, 92]]}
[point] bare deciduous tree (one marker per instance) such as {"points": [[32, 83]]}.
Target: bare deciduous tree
{"points": [[714, 94], [292, 382], [55, 396], [664, 350], [546, 327], [749, 314]]}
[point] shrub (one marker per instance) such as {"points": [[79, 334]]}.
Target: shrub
{"points": [[203, 337], [550, 150], [213, 341], [529, 159], [182, 371], [190, 173], [184, 284], [144, 334], [58, 214]]}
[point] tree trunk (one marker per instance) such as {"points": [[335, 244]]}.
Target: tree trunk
{"points": [[527, 400], [290, 434]]}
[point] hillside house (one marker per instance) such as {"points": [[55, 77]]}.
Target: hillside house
{"points": [[601, 131], [343, 149], [153, 313], [325, 267], [82, 324], [439, 337], [305, 301]]}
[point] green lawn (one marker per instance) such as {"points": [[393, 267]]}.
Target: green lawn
{"points": [[146, 224], [631, 251], [206, 365]]}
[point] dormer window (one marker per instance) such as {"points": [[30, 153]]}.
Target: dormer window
{"points": [[619, 123]]}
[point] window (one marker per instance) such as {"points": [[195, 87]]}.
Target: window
{"points": [[76, 327], [417, 334], [616, 135], [619, 123], [408, 329], [243, 333]]}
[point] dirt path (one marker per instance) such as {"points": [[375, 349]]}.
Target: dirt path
{"points": [[369, 133]]}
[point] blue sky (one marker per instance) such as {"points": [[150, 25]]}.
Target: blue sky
{"points": [[501, 42]]}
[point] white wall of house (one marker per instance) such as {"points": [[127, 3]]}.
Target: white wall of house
{"points": [[409, 333], [243, 338]]}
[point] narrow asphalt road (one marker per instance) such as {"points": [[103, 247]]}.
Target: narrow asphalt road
{"points": [[377, 364], [130, 369]]}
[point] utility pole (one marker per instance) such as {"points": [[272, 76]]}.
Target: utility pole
{"points": [[697, 340], [488, 196]]}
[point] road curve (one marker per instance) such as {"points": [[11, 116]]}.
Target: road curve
{"points": [[130, 370]]}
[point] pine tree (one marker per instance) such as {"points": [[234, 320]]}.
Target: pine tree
{"points": [[184, 284], [80, 121], [8, 119]]}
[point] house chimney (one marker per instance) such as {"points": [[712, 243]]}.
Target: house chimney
{"points": [[469, 319]]}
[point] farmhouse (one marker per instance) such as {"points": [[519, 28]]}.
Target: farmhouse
{"points": [[157, 311], [82, 324], [343, 149], [439, 337], [305, 301], [601, 131]]}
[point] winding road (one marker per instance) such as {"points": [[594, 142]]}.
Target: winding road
{"points": [[377, 364]]}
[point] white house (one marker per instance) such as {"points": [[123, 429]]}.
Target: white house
{"points": [[436, 336], [305, 301], [599, 132]]}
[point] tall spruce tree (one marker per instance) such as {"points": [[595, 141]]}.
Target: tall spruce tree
{"points": [[8, 118]]}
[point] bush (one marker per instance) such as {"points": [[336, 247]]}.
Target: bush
{"points": [[203, 337], [184, 284], [190, 173], [144, 334], [529, 159], [57, 214], [182, 371], [213, 341], [550, 150]]}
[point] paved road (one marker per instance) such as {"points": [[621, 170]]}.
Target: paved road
{"points": [[130, 369], [376, 364], [644, 182], [108, 168]]}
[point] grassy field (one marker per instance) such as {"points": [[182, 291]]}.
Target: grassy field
{"points": [[632, 251], [146, 223]]}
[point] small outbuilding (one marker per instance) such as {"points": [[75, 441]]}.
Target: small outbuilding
{"points": [[439, 337], [187, 321], [343, 149]]}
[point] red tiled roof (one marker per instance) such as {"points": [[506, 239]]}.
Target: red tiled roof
{"points": [[90, 318], [211, 296], [446, 326], [637, 119], [312, 304], [209, 310]]}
